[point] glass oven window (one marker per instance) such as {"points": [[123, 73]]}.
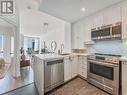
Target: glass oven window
{"points": [[101, 70]]}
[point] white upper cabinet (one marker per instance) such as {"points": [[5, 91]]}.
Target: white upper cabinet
{"points": [[98, 20], [81, 35], [124, 22], [112, 15], [87, 30], [81, 32], [75, 35], [67, 44], [107, 17]]}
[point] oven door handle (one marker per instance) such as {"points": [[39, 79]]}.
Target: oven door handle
{"points": [[102, 63]]}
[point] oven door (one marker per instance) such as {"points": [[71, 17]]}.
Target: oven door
{"points": [[105, 73]]}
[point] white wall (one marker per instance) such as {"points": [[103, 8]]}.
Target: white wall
{"points": [[32, 25], [56, 34], [60, 33]]}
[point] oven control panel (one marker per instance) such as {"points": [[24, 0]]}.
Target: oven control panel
{"points": [[114, 60], [109, 59]]}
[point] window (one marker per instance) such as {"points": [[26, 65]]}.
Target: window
{"points": [[31, 43]]}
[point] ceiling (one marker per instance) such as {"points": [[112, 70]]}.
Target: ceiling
{"points": [[70, 10], [32, 22], [29, 4]]}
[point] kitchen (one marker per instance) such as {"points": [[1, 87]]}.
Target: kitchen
{"points": [[81, 50], [97, 57]]}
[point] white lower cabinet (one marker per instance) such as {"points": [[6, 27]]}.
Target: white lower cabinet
{"points": [[67, 68], [82, 66], [38, 70], [75, 65], [70, 67], [124, 78]]}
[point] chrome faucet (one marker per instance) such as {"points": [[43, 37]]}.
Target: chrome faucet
{"points": [[61, 48]]}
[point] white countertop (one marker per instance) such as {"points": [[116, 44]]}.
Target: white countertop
{"points": [[56, 56], [123, 58], [48, 56], [80, 54]]}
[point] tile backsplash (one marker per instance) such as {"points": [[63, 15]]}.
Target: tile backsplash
{"points": [[109, 47]]}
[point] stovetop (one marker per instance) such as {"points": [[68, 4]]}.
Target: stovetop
{"points": [[111, 58]]}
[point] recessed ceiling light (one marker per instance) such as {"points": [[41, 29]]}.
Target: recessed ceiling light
{"points": [[83, 9]]}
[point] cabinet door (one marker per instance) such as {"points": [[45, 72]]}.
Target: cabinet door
{"points": [[67, 69], [35, 69], [74, 66], [112, 15], [124, 78], [98, 20], [83, 61], [87, 30], [75, 35], [39, 75], [124, 22], [81, 35], [82, 66]]}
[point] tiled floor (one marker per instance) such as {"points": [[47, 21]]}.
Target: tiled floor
{"points": [[9, 83], [75, 87]]}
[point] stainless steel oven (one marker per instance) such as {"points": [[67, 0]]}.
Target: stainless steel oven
{"points": [[104, 75]]}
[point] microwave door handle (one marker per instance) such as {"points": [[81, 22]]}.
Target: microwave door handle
{"points": [[103, 63]]}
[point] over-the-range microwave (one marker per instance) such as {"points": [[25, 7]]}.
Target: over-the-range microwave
{"points": [[107, 32]]}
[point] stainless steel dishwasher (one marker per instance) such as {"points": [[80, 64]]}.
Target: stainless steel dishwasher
{"points": [[53, 74]]}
